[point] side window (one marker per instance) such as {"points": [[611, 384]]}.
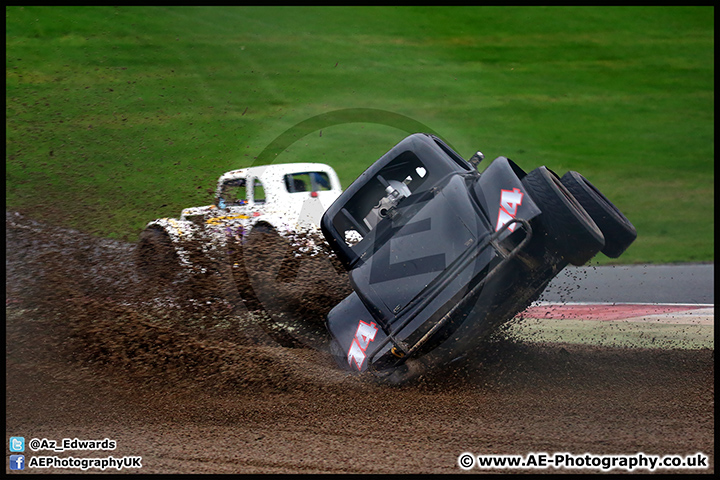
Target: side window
{"points": [[258, 192], [320, 181], [307, 182]]}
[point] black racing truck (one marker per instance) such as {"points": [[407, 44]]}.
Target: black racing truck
{"points": [[439, 254]]}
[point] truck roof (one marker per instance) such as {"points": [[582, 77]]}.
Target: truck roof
{"points": [[269, 172]]}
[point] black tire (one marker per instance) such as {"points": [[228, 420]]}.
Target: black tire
{"points": [[261, 253], [619, 233], [155, 257], [573, 233]]}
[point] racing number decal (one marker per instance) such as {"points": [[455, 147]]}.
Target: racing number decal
{"points": [[363, 336], [509, 202]]}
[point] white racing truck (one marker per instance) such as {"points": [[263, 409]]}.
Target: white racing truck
{"points": [[287, 199]]}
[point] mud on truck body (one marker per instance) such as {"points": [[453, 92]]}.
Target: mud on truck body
{"points": [[439, 255], [288, 199]]}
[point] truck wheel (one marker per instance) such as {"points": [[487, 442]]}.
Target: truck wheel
{"points": [[263, 251], [619, 233], [573, 233], [155, 257]]}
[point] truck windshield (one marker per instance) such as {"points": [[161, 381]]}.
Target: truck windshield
{"points": [[233, 193]]}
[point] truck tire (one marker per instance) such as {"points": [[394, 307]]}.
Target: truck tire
{"points": [[155, 257], [571, 230], [262, 252], [619, 233]]}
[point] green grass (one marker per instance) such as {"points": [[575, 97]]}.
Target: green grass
{"points": [[118, 115]]}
